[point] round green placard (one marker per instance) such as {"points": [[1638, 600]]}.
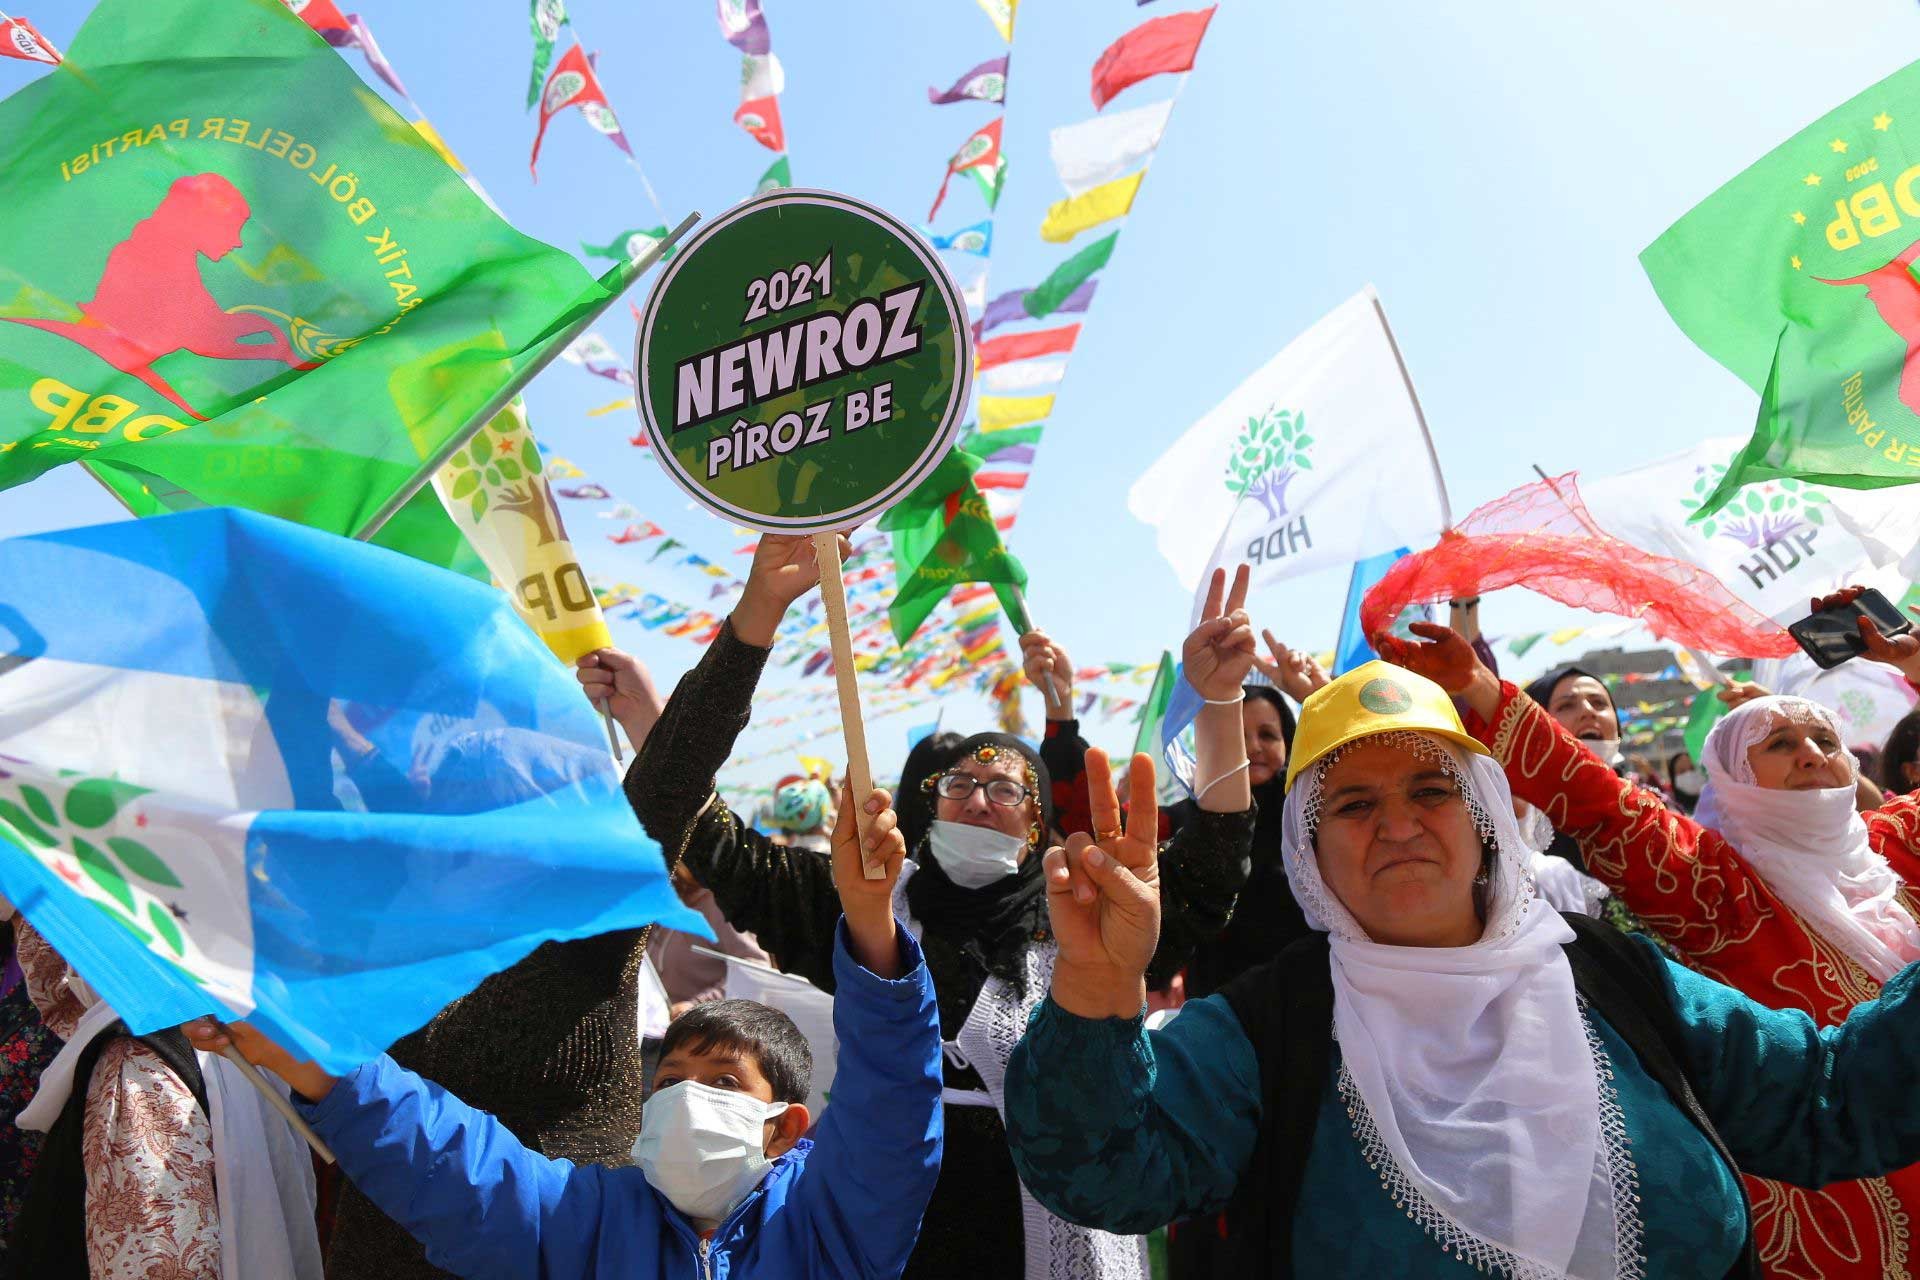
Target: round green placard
{"points": [[804, 362]]}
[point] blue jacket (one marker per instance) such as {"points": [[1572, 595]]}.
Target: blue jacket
{"points": [[844, 1204]]}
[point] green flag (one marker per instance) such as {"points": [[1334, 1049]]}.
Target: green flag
{"points": [[1705, 711], [234, 276], [1797, 276], [990, 181], [984, 444], [1045, 298], [630, 246], [779, 174], [1153, 713], [944, 534], [547, 17]]}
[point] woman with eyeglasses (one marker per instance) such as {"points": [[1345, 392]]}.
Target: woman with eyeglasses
{"points": [[976, 813]]}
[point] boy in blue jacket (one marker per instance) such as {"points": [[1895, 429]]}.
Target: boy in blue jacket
{"points": [[726, 1186]]}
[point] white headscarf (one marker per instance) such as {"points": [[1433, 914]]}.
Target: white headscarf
{"points": [[1479, 1099], [1810, 847]]}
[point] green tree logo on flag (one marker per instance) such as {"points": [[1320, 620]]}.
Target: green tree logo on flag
{"points": [[1271, 450], [1759, 515], [490, 472], [561, 90], [125, 873]]}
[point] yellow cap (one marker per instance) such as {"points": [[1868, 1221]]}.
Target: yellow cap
{"points": [[1375, 698]]}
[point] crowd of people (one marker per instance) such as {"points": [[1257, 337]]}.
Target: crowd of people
{"points": [[1427, 976]]}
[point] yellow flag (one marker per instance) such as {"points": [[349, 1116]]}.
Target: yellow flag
{"points": [[496, 496], [1000, 14], [815, 767], [1566, 634], [611, 406], [1003, 413], [1068, 218]]}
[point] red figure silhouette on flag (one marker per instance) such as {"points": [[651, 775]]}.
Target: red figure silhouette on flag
{"points": [[151, 302], [1895, 294]]}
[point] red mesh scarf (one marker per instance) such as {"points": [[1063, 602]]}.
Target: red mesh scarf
{"points": [[1541, 537]]}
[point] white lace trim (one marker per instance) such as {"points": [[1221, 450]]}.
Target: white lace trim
{"points": [[1482, 1255], [1622, 1173]]}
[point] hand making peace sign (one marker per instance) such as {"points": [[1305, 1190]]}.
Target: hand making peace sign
{"points": [[1103, 896], [1219, 651]]}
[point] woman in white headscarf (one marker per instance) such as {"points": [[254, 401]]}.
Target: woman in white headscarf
{"points": [[1448, 1077], [1776, 886]]}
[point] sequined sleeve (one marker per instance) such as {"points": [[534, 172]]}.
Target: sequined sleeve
{"points": [[1894, 829], [784, 896], [1685, 882]]}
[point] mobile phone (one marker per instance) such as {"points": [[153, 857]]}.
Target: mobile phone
{"points": [[1832, 636]]}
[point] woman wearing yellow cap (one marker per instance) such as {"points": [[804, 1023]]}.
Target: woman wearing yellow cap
{"points": [[1447, 1076]]}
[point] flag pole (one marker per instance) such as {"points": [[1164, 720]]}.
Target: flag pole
{"points": [[1426, 433], [1025, 627], [516, 384], [833, 591], [278, 1101]]}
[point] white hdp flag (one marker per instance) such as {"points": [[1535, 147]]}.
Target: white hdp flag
{"points": [[1778, 543], [1318, 460]]}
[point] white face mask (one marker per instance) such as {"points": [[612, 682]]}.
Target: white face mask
{"points": [[1689, 781], [974, 857], [1608, 749], [702, 1148]]}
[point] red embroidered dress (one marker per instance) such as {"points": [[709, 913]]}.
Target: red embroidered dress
{"points": [[1693, 888]]}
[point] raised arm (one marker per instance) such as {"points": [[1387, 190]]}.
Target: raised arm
{"points": [[1800, 1103], [1111, 1127], [1204, 865], [783, 896], [1123, 1129], [1062, 749], [1682, 880]]}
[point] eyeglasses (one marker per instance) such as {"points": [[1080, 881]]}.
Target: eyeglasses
{"points": [[1001, 791]]}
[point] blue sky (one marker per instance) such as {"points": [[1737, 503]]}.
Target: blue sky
{"points": [[1494, 169]]}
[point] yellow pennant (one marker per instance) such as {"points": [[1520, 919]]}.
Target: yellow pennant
{"points": [[1003, 413], [1068, 218], [1000, 14]]}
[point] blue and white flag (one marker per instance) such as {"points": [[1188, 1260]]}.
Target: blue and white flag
{"points": [[976, 239], [255, 770]]}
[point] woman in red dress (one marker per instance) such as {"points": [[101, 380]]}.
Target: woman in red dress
{"points": [[1777, 887]]}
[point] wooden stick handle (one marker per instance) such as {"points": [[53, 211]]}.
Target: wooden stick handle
{"points": [[278, 1101], [826, 553]]}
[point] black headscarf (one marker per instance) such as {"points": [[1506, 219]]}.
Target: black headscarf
{"points": [[995, 922], [911, 799], [1541, 690]]}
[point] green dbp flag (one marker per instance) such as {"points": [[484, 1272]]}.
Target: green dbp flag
{"points": [[1798, 276], [234, 276], [943, 535]]}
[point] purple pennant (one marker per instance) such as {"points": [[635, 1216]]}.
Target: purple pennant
{"points": [[743, 25], [1022, 453], [968, 87], [1080, 299], [1010, 305]]}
